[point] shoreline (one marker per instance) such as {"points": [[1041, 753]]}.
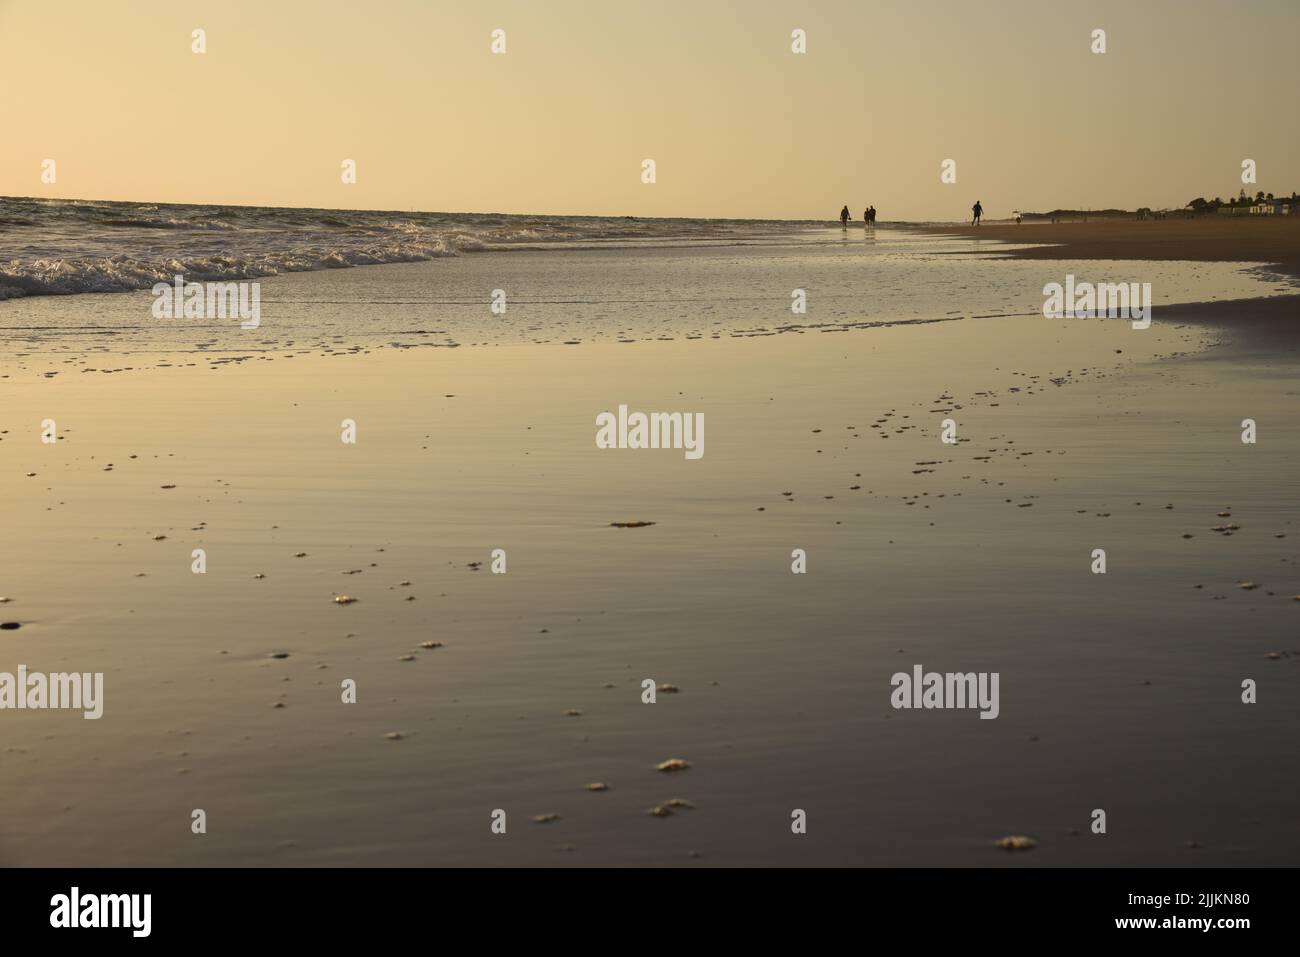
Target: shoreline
{"points": [[479, 691], [1264, 239], [1272, 241]]}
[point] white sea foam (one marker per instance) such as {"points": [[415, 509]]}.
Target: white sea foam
{"points": [[65, 247]]}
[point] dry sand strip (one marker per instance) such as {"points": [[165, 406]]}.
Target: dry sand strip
{"points": [[1264, 239]]}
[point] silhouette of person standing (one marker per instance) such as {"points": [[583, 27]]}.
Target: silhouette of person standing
{"points": [[844, 217], [978, 210]]}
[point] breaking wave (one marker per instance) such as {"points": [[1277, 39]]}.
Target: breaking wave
{"points": [[65, 247]]}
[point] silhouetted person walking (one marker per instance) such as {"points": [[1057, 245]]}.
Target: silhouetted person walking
{"points": [[978, 210], [844, 217]]}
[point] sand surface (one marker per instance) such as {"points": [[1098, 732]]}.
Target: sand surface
{"points": [[1118, 691], [1268, 239]]}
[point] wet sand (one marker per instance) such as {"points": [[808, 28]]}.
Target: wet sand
{"points": [[478, 691], [1265, 328]]}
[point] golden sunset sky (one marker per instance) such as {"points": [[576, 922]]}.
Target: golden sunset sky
{"points": [[738, 125]]}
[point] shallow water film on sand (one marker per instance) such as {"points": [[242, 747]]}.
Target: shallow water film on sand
{"points": [[335, 565]]}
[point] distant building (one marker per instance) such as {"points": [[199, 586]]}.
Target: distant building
{"points": [[1278, 206], [1281, 206]]}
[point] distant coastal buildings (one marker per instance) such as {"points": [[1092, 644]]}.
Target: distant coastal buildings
{"points": [[1262, 204]]}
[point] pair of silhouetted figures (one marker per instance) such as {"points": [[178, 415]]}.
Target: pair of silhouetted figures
{"points": [[868, 216]]}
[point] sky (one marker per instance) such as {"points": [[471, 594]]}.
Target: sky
{"points": [[738, 125]]}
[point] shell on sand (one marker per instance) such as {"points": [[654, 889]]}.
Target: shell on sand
{"points": [[344, 599], [673, 764], [545, 818], [1017, 842], [598, 786]]}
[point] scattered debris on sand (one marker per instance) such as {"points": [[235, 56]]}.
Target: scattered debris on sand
{"points": [[630, 524], [672, 764], [1017, 842]]}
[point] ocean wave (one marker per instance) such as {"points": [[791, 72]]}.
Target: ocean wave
{"points": [[66, 277], [65, 247], [163, 223]]}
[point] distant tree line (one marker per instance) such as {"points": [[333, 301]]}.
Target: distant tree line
{"points": [[1199, 205], [1079, 213], [1202, 205]]}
